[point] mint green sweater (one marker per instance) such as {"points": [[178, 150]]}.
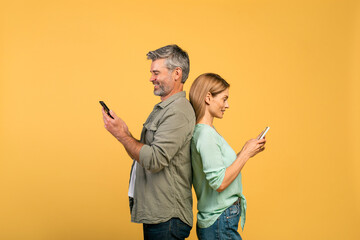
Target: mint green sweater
{"points": [[210, 156]]}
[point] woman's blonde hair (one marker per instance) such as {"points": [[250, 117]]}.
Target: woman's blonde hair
{"points": [[207, 82]]}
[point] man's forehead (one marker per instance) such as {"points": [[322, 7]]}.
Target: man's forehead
{"points": [[157, 64]]}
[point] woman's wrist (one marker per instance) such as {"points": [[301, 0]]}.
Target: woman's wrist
{"points": [[243, 157]]}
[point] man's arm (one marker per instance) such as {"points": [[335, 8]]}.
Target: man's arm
{"points": [[118, 128], [173, 131]]}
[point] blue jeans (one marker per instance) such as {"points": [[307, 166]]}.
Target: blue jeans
{"points": [[225, 227], [172, 229]]}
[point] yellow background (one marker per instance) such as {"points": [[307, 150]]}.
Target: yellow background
{"points": [[292, 65]]}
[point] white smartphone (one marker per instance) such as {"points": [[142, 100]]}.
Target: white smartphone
{"points": [[263, 133]]}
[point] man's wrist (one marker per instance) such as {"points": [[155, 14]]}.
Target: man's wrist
{"points": [[123, 138]]}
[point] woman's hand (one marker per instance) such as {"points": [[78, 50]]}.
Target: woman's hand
{"points": [[252, 147]]}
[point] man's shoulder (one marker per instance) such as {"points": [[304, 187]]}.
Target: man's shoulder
{"points": [[176, 107], [182, 106]]}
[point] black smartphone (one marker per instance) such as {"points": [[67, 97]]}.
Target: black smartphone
{"points": [[106, 109]]}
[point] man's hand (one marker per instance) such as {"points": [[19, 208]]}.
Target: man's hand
{"points": [[117, 127]]}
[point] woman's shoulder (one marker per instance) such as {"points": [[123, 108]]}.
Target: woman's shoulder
{"points": [[204, 131]]}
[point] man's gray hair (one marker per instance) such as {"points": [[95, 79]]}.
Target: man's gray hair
{"points": [[175, 57]]}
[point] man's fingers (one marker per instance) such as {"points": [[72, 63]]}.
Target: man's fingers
{"points": [[106, 123], [103, 112], [107, 116], [106, 119], [113, 114]]}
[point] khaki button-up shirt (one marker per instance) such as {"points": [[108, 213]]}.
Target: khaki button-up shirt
{"points": [[164, 176]]}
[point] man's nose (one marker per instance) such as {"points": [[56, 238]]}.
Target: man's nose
{"points": [[152, 78]]}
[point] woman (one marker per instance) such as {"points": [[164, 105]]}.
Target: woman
{"points": [[216, 167]]}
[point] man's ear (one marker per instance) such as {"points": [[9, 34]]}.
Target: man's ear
{"points": [[177, 73], [208, 98]]}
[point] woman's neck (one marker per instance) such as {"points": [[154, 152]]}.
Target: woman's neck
{"points": [[207, 119]]}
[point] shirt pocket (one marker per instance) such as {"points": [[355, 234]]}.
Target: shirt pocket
{"points": [[150, 132]]}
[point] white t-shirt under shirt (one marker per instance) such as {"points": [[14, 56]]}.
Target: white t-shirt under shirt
{"points": [[132, 180]]}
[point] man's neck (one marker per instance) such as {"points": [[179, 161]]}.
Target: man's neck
{"points": [[174, 91]]}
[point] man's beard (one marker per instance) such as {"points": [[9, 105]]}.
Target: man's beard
{"points": [[160, 91]]}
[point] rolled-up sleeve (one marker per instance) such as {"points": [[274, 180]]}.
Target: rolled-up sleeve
{"points": [[169, 137], [211, 157]]}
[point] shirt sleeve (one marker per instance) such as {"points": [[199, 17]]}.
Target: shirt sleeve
{"points": [[211, 157], [170, 136]]}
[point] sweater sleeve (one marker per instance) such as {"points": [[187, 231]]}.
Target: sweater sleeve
{"points": [[209, 148]]}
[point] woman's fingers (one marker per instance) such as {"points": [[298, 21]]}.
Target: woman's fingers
{"points": [[260, 135]]}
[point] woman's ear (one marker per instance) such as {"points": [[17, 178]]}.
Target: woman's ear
{"points": [[208, 98]]}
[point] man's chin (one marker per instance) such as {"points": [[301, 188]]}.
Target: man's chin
{"points": [[158, 93]]}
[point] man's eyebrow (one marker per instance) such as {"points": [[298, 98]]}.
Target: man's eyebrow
{"points": [[154, 71]]}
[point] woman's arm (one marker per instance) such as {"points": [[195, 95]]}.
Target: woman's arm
{"points": [[250, 149]]}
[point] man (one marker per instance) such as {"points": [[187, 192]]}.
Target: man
{"points": [[161, 176]]}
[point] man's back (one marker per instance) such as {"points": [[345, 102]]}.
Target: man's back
{"points": [[164, 177]]}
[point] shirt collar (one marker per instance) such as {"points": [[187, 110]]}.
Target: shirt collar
{"points": [[171, 99]]}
